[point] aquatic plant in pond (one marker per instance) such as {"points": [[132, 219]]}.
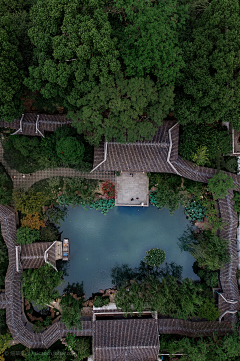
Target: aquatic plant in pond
{"points": [[103, 205], [195, 211]]}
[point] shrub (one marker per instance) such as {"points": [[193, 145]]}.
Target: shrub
{"points": [[201, 156], [49, 233], [75, 288], [118, 174], [219, 185], [27, 235], [236, 199], [195, 211], [154, 257], [206, 275], [29, 202], [215, 138], [69, 199], [80, 346], [3, 260], [70, 150], [168, 191], [108, 189], [208, 310], [101, 301]]}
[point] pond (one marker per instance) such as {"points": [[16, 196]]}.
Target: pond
{"points": [[99, 242]]}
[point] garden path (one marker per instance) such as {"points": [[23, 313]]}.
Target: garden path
{"points": [[19, 181], [128, 187]]}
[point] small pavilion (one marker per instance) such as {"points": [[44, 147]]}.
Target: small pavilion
{"points": [[134, 160]]}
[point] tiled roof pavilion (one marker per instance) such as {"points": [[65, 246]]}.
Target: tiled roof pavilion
{"points": [[120, 340], [141, 156]]}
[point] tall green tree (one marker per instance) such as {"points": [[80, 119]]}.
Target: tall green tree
{"points": [[38, 285], [15, 56], [215, 348], [208, 87], [206, 247], [69, 150], [219, 185], [124, 106], [71, 311], [74, 49], [148, 37], [26, 235]]}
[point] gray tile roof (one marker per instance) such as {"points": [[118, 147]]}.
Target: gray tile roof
{"points": [[140, 156], [47, 122], [113, 338], [32, 255]]}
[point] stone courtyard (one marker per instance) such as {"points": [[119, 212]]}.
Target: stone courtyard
{"points": [[129, 187]]}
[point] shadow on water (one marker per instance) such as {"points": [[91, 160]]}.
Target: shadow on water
{"points": [[123, 274]]}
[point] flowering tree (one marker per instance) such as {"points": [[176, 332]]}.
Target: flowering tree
{"points": [[33, 221]]}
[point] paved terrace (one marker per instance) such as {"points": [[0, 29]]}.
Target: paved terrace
{"points": [[128, 187]]}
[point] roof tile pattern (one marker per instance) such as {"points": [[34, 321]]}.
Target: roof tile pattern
{"points": [[47, 122], [140, 156], [192, 329], [32, 255], [112, 338]]}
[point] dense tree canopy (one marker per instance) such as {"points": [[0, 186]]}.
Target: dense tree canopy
{"points": [[148, 37], [73, 47], [27, 235], [124, 106], [15, 55], [219, 185], [208, 87], [38, 285], [206, 247], [79, 46], [168, 296], [215, 348]]}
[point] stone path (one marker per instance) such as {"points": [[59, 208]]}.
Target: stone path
{"points": [[132, 187], [25, 181]]}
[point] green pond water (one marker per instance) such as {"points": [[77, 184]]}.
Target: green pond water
{"points": [[99, 242]]}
